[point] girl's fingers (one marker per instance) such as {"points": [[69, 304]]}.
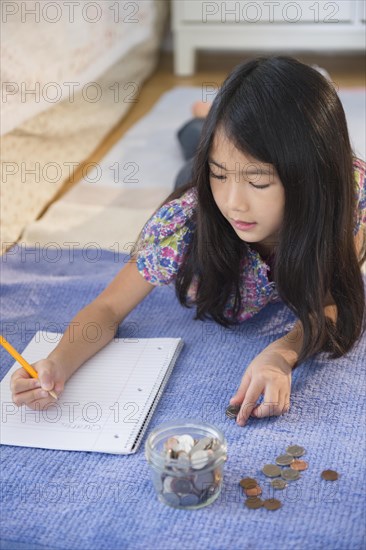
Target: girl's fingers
{"points": [[286, 403], [242, 390], [26, 397], [273, 405], [19, 385], [41, 403], [250, 401]]}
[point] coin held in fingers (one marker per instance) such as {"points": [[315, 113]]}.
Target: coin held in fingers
{"points": [[232, 411]]}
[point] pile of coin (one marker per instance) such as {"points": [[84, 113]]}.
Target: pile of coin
{"points": [[190, 483], [281, 474]]}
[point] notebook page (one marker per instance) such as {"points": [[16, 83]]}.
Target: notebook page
{"points": [[104, 405]]}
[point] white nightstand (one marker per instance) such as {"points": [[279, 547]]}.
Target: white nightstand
{"points": [[266, 26]]}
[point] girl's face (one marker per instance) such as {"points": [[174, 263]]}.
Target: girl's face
{"points": [[235, 180]]}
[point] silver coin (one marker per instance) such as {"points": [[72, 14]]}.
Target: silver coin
{"points": [[189, 500], [278, 483], [284, 460], [181, 486], [171, 498], [290, 475], [215, 445], [199, 459], [183, 462], [167, 484], [202, 445], [232, 411], [171, 443], [186, 442], [271, 470], [203, 480], [295, 450]]}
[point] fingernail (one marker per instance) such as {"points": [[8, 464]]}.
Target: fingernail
{"points": [[37, 384], [44, 393]]}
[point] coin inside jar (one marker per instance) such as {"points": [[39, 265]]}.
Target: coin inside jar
{"points": [[186, 442], [190, 483], [181, 485], [199, 459]]}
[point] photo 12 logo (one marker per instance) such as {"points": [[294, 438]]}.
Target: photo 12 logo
{"points": [[52, 12], [270, 12]]}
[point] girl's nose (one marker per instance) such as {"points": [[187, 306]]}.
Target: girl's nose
{"points": [[235, 199]]}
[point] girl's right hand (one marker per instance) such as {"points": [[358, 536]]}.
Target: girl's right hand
{"points": [[33, 392]]}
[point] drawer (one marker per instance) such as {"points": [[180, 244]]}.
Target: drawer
{"points": [[262, 11]]}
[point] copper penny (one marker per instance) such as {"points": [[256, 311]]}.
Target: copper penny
{"points": [[272, 504], [299, 465], [254, 492], [253, 503], [330, 475], [248, 483]]}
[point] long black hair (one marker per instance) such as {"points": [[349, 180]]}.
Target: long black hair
{"points": [[285, 113]]}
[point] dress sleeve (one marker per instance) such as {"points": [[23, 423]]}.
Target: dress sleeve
{"points": [[360, 190], [163, 241]]}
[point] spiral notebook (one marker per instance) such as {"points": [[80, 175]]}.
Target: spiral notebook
{"points": [[106, 405]]}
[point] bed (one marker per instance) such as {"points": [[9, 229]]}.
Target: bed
{"points": [[85, 68]]}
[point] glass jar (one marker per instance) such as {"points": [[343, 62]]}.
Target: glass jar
{"points": [[192, 478]]}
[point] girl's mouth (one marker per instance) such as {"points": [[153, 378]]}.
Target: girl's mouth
{"points": [[243, 225]]}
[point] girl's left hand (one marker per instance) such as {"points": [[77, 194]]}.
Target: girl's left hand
{"points": [[269, 374]]}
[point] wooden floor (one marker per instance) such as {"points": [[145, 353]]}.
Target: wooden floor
{"points": [[346, 71]]}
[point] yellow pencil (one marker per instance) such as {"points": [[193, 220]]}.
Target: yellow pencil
{"points": [[30, 370]]}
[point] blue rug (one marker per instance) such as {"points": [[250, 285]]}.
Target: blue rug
{"points": [[75, 500]]}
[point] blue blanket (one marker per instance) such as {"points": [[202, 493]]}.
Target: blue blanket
{"points": [[68, 500]]}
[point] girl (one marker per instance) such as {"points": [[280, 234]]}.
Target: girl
{"points": [[275, 210]]}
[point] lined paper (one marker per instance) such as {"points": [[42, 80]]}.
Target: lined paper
{"points": [[107, 403]]}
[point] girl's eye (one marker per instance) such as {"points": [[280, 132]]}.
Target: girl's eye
{"points": [[260, 186], [217, 177], [224, 177]]}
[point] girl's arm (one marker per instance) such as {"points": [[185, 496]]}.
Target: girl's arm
{"points": [[271, 371], [89, 331], [100, 319]]}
